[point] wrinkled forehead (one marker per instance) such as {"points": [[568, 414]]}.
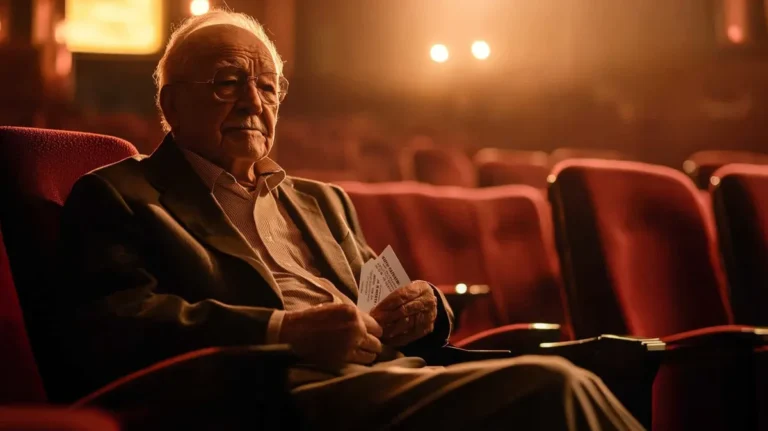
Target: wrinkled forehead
{"points": [[225, 44]]}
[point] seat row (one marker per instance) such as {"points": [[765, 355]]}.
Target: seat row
{"points": [[639, 256]]}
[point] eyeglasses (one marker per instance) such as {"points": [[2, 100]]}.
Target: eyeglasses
{"points": [[229, 83]]}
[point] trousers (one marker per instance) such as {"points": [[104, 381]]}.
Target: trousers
{"points": [[527, 392]]}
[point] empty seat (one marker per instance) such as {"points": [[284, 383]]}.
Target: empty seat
{"points": [[438, 166], [740, 195], [496, 167], [375, 212], [500, 237], [702, 164], [639, 257], [560, 154], [518, 248], [636, 243]]}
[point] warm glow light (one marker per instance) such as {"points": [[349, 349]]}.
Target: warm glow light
{"points": [[439, 53], [735, 33], [199, 7], [114, 26], [481, 50], [689, 166], [714, 180], [461, 288]]}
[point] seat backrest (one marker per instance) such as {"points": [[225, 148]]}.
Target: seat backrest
{"points": [[375, 213], [702, 164], [560, 154], [740, 199], [19, 374], [438, 166], [637, 250], [38, 168], [499, 173], [518, 248]]}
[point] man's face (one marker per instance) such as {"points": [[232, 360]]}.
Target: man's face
{"points": [[228, 133]]}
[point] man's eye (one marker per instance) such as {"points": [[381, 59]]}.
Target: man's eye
{"points": [[228, 82], [269, 88]]}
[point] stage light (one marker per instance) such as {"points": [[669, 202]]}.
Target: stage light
{"points": [[199, 7], [735, 34], [439, 53], [481, 50]]}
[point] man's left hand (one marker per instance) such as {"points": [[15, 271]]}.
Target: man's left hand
{"points": [[407, 314]]}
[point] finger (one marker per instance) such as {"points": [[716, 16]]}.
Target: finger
{"points": [[371, 325], [403, 295], [410, 337], [422, 304], [370, 344], [359, 356], [399, 327]]}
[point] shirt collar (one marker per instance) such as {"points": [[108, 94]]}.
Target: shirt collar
{"points": [[270, 173]]}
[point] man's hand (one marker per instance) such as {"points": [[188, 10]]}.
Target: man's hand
{"points": [[407, 314], [332, 334]]}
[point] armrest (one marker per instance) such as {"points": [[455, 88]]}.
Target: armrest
{"points": [[627, 365], [226, 386], [36, 418], [449, 355], [719, 337], [520, 338]]}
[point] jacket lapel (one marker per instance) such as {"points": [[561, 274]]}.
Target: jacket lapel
{"points": [[186, 197], [309, 218]]}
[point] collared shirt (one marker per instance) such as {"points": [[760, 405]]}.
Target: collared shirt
{"points": [[264, 223]]}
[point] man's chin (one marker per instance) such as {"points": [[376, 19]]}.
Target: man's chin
{"points": [[254, 146]]}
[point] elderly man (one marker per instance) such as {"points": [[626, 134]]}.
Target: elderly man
{"points": [[209, 243]]}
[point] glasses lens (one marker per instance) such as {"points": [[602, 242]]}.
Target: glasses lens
{"points": [[228, 81]]}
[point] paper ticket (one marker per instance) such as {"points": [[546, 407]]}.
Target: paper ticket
{"points": [[379, 277]]}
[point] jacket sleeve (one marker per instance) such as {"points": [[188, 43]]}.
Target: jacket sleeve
{"points": [[444, 320], [124, 317]]}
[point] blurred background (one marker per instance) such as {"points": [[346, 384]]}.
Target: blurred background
{"points": [[374, 82]]}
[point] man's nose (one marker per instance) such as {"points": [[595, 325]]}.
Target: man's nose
{"points": [[250, 100]]}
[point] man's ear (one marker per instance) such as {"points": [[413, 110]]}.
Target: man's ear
{"points": [[168, 106]]}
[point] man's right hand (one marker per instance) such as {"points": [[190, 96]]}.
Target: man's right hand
{"points": [[332, 334]]}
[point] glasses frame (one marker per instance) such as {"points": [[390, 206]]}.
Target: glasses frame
{"points": [[282, 85]]}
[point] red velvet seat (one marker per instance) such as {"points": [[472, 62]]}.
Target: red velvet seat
{"points": [[560, 154], [38, 170], [702, 164], [501, 237], [518, 249], [740, 195], [438, 166], [375, 212], [639, 257], [21, 381], [496, 167]]}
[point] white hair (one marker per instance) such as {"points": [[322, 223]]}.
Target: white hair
{"points": [[171, 57]]}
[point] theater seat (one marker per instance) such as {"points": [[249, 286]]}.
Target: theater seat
{"points": [[38, 170], [496, 167], [702, 164], [437, 166], [740, 197], [21, 381], [560, 154], [639, 257]]}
